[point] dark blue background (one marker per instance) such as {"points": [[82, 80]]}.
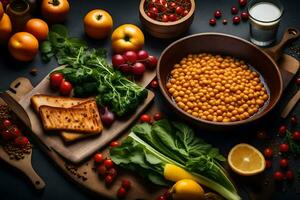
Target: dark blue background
{"points": [[14, 186]]}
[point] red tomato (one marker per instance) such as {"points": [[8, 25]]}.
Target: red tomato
{"points": [[65, 88], [284, 148], [121, 193], [289, 175], [296, 135], [101, 170], [278, 176], [56, 80], [145, 118], [283, 163], [282, 130], [157, 116], [268, 152], [108, 163], [98, 158], [126, 184], [114, 144]]}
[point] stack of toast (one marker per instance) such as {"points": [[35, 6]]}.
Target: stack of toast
{"points": [[73, 118]]}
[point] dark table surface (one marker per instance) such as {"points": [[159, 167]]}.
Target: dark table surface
{"points": [[14, 186]]}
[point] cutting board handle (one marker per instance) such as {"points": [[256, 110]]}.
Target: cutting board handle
{"points": [[36, 180], [19, 88], [276, 51]]}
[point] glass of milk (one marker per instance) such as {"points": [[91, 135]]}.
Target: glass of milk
{"points": [[265, 16]]}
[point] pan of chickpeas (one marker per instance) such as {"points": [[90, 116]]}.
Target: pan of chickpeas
{"points": [[219, 80]]}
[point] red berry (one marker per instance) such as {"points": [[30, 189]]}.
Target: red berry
{"points": [[164, 18], [218, 14], [282, 130], [268, 164], [294, 120], [108, 180], [154, 12], [130, 56], [15, 132], [185, 13], [283, 163], [112, 172], [278, 176], [244, 16], [161, 197], [126, 184], [108, 163], [6, 135], [118, 60], [98, 158], [55, 80], [236, 19], [102, 170], [151, 62], [179, 10], [224, 21], [283, 148], [212, 22], [289, 175], [149, 14], [172, 5], [145, 118], [298, 81], [296, 135], [234, 10], [142, 55], [172, 17], [268, 152], [21, 141], [243, 2], [157, 116], [138, 69], [154, 84], [114, 144], [6, 123], [121, 193], [65, 88]]}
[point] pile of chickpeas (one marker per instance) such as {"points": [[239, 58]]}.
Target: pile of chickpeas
{"points": [[216, 88]]}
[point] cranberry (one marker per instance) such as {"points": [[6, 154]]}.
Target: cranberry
{"points": [[212, 22], [268, 152], [283, 163], [154, 84], [268, 164], [6, 123], [130, 56], [21, 141], [165, 18], [185, 13], [118, 60], [224, 21], [108, 180], [121, 193], [142, 55], [149, 14], [236, 19], [112, 172], [15, 132], [243, 2], [296, 135], [172, 17], [172, 5], [244, 16], [289, 175], [138, 69], [6, 135], [294, 120], [282, 130], [101, 170], [108, 163], [126, 184], [283, 148], [157, 116], [114, 144], [154, 12], [234, 10], [98, 158], [278, 176], [298, 81], [179, 10], [145, 118], [151, 62], [218, 14]]}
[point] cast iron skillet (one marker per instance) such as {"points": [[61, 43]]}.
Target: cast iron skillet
{"points": [[264, 61]]}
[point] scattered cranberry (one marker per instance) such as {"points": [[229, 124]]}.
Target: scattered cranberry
{"points": [[224, 21], [294, 120], [154, 84], [268, 152], [114, 144], [243, 2], [112, 172], [21, 141], [283, 148], [278, 176], [298, 81], [126, 184], [121, 193], [212, 21], [6, 123], [296, 135], [244, 16], [268, 164], [6, 135], [15, 132], [289, 175], [108, 163], [108, 180], [283, 163], [157, 116], [236, 19], [101, 170], [145, 118], [234, 10], [218, 14], [98, 158], [282, 130]]}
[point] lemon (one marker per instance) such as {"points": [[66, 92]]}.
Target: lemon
{"points": [[175, 173], [187, 189], [246, 160]]}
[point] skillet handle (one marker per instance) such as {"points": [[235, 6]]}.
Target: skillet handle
{"points": [[276, 51]]}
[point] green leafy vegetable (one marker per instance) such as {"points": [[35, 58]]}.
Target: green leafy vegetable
{"points": [[294, 146], [88, 70], [148, 149]]}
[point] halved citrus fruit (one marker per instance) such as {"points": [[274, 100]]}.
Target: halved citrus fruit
{"points": [[246, 160]]}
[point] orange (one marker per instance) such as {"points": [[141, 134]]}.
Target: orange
{"points": [[1, 10], [246, 160], [55, 10], [38, 28], [23, 46], [5, 28], [97, 24]]}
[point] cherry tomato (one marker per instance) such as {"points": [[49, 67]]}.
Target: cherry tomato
{"points": [[289, 175], [126, 184], [21, 141], [149, 14], [278, 176], [268, 164], [294, 120], [296, 135], [130, 56], [56, 80], [15, 132], [157, 116], [142, 55], [65, 88], [268, 152], [145, 118], [138, 69], [108, 180], [114, 144], [282, 130], [98, 158], [172, 17], [172, 5], [121, 193], [283, 148], [164, 18], [151, 62], [283, 163], [101, 170], [153, 11], [6, 123], [179, 10], [154, 84], [108, 163], [118, 60]]}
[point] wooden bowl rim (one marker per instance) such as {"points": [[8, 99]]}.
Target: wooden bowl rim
{"points": [[224, 124], [190, 14]]}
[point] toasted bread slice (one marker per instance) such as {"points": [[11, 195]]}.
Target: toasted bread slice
{"points": [[39, 100], [85, 120]]}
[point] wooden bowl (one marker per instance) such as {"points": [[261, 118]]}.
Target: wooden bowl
{"points": [[217, 43], [166, 30]]}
